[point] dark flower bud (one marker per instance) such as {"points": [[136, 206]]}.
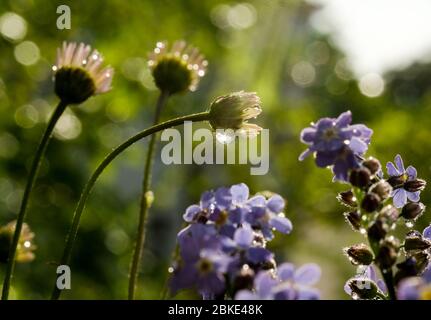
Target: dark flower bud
{"points": [[416, 243], [268, 265], [397, 181], [412, 210], [74, 85], [382, 189], [415, 185], [406, 269], [360, 177], [372, 164], [244, 279], [363, 288], [177, 68], [259, 239], [389, 213], [422, 261], [377, 230], [347, 198], [201, 218], [78, 74], [371, 202], [388, 254], [354, 219], [359, 254]]}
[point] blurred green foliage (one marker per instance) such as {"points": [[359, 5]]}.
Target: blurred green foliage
{"points": [[255, 51]]}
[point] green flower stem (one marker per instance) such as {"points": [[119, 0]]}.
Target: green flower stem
{"points": [[37, 160], [70, 240], [146, 201], [387, 274]]}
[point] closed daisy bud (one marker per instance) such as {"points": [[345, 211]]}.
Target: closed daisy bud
{"points": [[78, 73], [178, 68], [359, 254], [25, 247], [412, 210], [233, 110]]}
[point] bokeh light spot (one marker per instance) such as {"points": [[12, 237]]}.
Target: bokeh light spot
{"points": [[12, 26], [26, 116], [371, 85], [27, 53], [303, 73], [68, 127]]}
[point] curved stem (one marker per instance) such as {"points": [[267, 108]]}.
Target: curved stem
{"points": [[146, 201], [34, 169], [70, 240]]}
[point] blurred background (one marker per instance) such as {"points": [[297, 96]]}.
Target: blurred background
{"points": [[306, 59]]}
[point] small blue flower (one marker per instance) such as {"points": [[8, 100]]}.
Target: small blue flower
{"points": [[400, 194], [336, 143], [244, 249], [287, 284], [206, 274], [416, 288], [203, 262], [267, 215]]}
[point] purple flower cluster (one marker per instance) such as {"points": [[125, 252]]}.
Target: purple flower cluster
{"points": [[286, 283], [223, 249], [336, 143]]}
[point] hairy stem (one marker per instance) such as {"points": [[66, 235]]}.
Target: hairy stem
{"points": [[145, 202], [70, 240], [387, 274], [34, 169]]}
